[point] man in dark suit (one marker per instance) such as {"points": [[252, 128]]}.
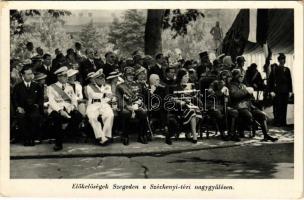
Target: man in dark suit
{"points": [[158, 68], [28, 103], [47, 69], [205, 64], [110, 64], [59, 60], [280, 86], [88, 65]]}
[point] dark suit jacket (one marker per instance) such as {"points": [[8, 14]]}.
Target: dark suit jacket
{"points": [[28, 98], [156, 70], [86, 67], [280, 80], [51, 77], [202, 68], [107, 69], [58, 62], [157, 97]]}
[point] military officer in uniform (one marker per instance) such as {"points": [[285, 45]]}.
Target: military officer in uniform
{"points": [[280, 86], [241, 97], [240, 63], [131, 105], [63, 107], [99, 95]]}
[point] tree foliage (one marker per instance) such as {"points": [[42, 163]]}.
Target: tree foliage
{"points": [[178, 20], [196, 40], [89, 35], [94, 37], [43, 28], [127, 35], [18, 17]]}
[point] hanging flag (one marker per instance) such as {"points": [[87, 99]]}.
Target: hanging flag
{"points": [[237, 36], [262, 26], [252, 25]]}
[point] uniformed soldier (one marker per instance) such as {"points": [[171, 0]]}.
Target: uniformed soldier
{"points": [[99, 96], [138, 62], [63, 107], [240, 63], [131, 105], [221, 113], [280, 86], [241, 97]]}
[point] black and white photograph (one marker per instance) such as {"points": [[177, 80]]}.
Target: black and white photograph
{"points": [[152, 93], [151, 99]]}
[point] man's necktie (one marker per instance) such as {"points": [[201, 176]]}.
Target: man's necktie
{"points": [[63, 87], [74, 87]]}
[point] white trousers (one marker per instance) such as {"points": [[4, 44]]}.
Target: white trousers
{"points": [[107, 115]]}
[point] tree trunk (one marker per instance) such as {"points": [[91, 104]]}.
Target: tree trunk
{"points": [[153, 32]]}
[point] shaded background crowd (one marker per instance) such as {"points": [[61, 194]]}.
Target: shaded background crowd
{"points": [[220, 70], [203, 75]]}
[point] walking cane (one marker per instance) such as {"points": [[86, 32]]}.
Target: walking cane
{"points": [[225, 111], [149, 127]]}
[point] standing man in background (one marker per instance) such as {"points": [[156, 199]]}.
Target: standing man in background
{"points": [[280, 87], [217, 34]]}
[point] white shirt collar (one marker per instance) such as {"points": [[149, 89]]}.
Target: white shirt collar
{"points": [[47, 67], [60, 84], [27, 83]]}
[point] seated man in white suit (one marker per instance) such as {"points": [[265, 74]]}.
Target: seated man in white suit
{"points": [[99, 95]]}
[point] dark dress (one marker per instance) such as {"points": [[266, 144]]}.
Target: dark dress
{"points": [[192, 106]]}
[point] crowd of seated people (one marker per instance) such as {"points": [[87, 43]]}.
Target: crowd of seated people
{"points": [[81, 93]]}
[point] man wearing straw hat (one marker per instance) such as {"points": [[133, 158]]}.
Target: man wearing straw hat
{"points": [[99, 96], [63, 107], [40, 78], [72, 73]]}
